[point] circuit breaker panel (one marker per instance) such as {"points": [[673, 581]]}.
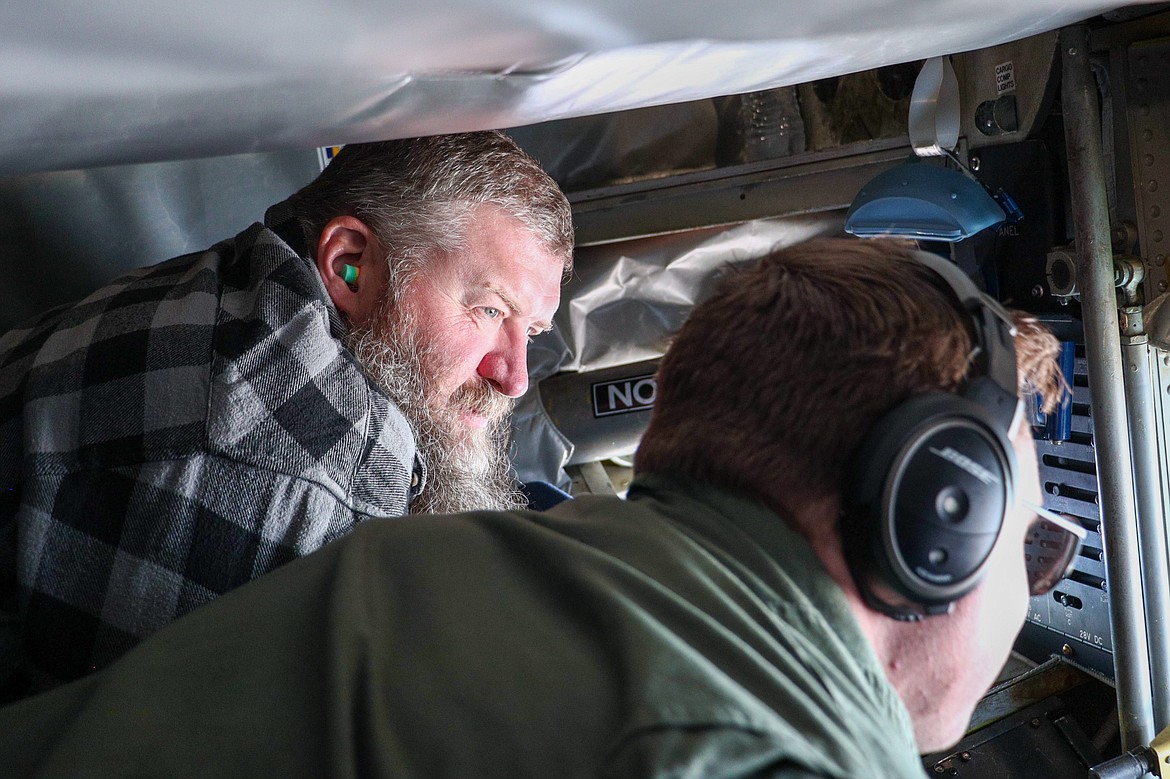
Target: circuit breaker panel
{"points": [[1073, 619]]}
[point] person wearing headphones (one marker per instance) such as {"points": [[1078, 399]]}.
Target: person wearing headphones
{"points": [[823, 562]]}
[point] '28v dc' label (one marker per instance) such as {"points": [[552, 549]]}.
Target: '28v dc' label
{"points": [[624, 395]]}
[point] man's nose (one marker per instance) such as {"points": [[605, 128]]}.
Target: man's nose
{"points": [[506, 366]]}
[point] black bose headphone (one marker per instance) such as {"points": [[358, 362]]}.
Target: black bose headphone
{"points": [[932, 481]]}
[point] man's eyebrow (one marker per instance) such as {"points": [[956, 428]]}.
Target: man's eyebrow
{"points": [[542, 326], [504, 297]]}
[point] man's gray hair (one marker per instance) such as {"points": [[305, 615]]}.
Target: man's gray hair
{"points": [[418, 194]]}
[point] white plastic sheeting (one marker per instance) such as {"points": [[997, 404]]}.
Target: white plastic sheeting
{"points": [[98, 82], [624, 303], [626, 300]]}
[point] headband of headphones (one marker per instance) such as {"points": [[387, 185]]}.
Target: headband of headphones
{"points": [[993, 381], [933, 479]]}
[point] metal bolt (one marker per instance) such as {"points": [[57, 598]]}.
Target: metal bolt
{"points": [[938, 769], [975, 162], [1122, 235], [1067, 651], [1035, 722], [965, 756], [1159, 260], [1147, 135], [1038, 291], [1155, 212], [1157, 236], [1152, 186], [1161, 286], [1072, 51], [1148, 159]]}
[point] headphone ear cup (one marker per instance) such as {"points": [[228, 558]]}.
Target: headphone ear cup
{"points": [[928, 491]]}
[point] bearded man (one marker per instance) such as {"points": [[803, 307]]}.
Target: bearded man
{"points": [[196, 424], [826, 553]]}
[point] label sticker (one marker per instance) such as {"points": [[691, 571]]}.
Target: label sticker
{"points": [[622, 396], [1005, 77], [325, 154]]}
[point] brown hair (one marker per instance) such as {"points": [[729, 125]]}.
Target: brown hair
{"points": [[771, 383], [417, 194]]}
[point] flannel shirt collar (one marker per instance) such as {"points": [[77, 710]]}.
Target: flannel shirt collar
{"points": [[281, 220]]}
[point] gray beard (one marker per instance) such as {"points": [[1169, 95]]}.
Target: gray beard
{"points": [[467, 469]]}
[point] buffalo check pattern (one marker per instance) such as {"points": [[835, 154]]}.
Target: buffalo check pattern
{"points": [[176, 434]]}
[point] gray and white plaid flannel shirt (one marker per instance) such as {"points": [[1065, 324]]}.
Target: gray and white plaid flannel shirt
{"points": [[176, 434]]}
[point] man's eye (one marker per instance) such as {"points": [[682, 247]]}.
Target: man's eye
{"points": [[491, 313]]}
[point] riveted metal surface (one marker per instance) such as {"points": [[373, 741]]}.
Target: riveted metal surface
{"points": [[1148, 107]]}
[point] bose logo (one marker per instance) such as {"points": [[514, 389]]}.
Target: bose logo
{"points": [[966, 463]]}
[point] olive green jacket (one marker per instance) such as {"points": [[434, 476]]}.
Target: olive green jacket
{"points": [[684, 632]]}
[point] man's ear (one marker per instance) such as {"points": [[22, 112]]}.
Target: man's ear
{"points": [[352, 266]]}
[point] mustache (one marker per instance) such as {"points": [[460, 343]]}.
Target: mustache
{"points": [[478, 397]]}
